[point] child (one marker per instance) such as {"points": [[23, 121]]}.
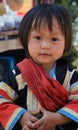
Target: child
{"points": [[41, 92]]}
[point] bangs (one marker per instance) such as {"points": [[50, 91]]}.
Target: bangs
{"points": [[43, 18], [42, 23]]}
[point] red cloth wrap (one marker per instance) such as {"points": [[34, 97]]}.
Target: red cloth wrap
{"points": [[49, 92]]}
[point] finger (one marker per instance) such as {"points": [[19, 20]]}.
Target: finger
{"points": [[29, 125], [25, 128], [33, 118], [40, 128], [35, 112], [37, 124], [42, 109]]}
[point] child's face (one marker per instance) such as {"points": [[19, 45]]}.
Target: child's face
{"points": [[45, 46]]}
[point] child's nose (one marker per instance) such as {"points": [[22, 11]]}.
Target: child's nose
{"points": [[45, 44]]}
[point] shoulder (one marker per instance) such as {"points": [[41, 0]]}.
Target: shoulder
{"points": [[64, 63], [62, 68], [14, 79]]}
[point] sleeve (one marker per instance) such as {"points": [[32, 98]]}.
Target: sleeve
{"points": [[10, 113], [70, 110]]}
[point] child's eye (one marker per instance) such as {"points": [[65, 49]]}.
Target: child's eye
{"points": [[54, 39], [37, 37]]}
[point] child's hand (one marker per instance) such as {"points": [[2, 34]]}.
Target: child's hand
{"points": [[47, 122], [27, 119]]}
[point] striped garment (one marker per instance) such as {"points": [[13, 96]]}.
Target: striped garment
{"points": [[16, 97]]}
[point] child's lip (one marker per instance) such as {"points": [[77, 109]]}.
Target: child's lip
{"points": [[46, 54]]}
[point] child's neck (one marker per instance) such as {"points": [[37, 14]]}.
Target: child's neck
{"points": [[48, 67]]}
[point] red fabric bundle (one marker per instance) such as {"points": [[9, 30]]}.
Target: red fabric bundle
{"points": [[49, 92]]}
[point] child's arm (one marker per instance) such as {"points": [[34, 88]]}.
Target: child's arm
{"points": [[10, 113]]}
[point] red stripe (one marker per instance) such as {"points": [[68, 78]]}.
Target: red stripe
{"points": [[6, 111], [4, 94]]}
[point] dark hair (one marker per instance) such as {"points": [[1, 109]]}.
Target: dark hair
{"points": [[45, 13]]}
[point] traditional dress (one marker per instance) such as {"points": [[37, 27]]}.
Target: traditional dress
{"points": [[28, 88]]}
